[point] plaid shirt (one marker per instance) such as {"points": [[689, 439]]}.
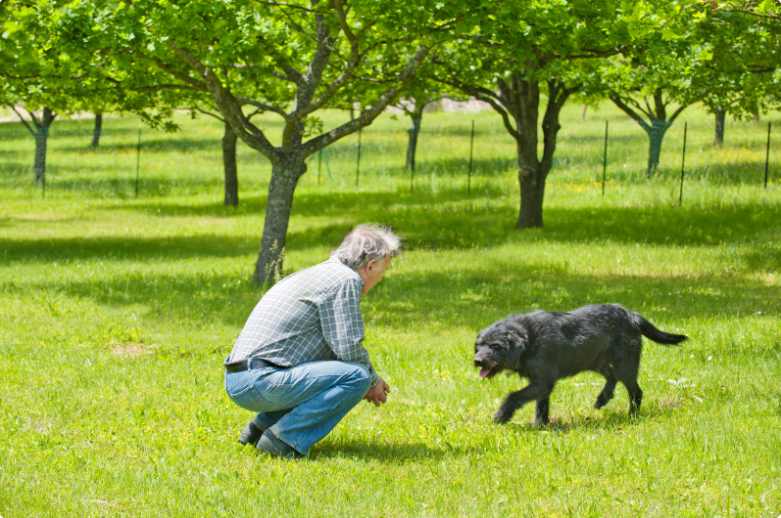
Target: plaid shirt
{"points": [[311, 315]]}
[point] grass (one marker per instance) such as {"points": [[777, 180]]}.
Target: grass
{"points": [[117, 312]]}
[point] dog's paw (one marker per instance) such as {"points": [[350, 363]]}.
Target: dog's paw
{"points": [[500, 417]]}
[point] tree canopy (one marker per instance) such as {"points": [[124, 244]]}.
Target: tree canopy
{"points": [[290, 59]]}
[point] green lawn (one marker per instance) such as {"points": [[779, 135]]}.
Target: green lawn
{"points": [[117, 312]]}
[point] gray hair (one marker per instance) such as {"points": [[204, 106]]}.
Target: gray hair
{"points": [[367, 242]]}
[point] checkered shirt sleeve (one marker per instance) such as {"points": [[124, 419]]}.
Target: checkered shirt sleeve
{"points": [[342, 324]]}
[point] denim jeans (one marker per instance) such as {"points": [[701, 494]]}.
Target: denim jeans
{"points": [[302, 404]]}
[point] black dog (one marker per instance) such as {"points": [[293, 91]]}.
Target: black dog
{"points": [[546, 347]]}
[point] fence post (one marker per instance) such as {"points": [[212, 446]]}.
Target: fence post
{"points": [[767, 154], [319, 160], [683, 161], [327, 167], [358, 162], [471, 147], [138, 158], [604, 159]]}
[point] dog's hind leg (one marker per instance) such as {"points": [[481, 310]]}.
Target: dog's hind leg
{"points": [[535, 391], [635, 396], [541, 412], [627, 374], [607, 391]]}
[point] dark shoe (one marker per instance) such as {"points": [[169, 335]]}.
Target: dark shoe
{"points": [[276, 448], [250, 434]]}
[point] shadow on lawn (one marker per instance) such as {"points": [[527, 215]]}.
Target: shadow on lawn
{"points": [[425, 225], [461, 299], [383, 451], [464, 221]]}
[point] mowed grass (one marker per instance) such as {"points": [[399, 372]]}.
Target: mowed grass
{"points": [[117, 313]]}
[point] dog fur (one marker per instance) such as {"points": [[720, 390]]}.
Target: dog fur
{"points": [[545, 347]]}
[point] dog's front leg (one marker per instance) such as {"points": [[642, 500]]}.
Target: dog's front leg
{"points": [[515, 400]]}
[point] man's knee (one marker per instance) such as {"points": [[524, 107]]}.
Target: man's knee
{"points": [[360, 377]]}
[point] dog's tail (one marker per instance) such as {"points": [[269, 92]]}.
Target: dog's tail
{"points": [[649, 331]]}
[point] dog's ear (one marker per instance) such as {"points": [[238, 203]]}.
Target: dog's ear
{"points": [[516, 339]]}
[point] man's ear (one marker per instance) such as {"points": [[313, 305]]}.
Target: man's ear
{"points": [[517, 342]]}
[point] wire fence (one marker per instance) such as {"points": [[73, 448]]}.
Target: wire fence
{"points": [[461, 152]]}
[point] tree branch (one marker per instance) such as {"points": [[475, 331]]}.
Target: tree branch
{"points": [[264, 107], [677, 112], [274, 73], [229, 107], [24, 122], [487, 96], [626, 109], [210, 114], [182, 77], [367, 116], [292, 74]]}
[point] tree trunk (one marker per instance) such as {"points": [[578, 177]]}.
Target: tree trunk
{"points": [[284, 178], [412, 143], [720, 116], [229, 165], [98, 130], [41, 139], [532, 184], [655, 132], [532, 195]]}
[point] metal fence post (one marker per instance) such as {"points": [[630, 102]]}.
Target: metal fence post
{"points": [[471, 147], [138, 158], [319, 160], [604, 162], [767, 154], [327, 167], [358, 161], [683, 161]]}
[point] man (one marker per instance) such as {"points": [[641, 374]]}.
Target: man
{"points": [[299, 361]]}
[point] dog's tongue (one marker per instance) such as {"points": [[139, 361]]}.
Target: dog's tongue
{"points": [[484, 371]]}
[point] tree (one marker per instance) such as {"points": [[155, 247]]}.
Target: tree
{"points": [[44, 74], [529, 53], [647, 80], [303, 54], [741, 47], [421, 92], [229, 141]]}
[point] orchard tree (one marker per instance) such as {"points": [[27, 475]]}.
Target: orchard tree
{"points": [[303, 54], [742, 49], [538, 51], [229, 141], [43, 75], [422, 92], [651, 82]]}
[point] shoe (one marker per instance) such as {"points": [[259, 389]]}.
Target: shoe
{"points": [[250, 434], [276, 448]]}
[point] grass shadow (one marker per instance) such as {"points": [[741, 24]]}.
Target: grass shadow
{"points": [[397, 453]]}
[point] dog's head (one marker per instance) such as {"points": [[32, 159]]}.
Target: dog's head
{"points": [[499, 347]]}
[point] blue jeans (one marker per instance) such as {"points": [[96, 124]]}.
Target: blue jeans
{"points": [[302, 404]]}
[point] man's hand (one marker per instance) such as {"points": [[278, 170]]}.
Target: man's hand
{"points": [[377, 394]]}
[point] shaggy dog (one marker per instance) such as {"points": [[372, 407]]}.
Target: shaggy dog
{"points": [[548, 346]]}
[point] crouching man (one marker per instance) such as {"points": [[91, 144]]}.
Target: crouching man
{"points": [[299, 361]]}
